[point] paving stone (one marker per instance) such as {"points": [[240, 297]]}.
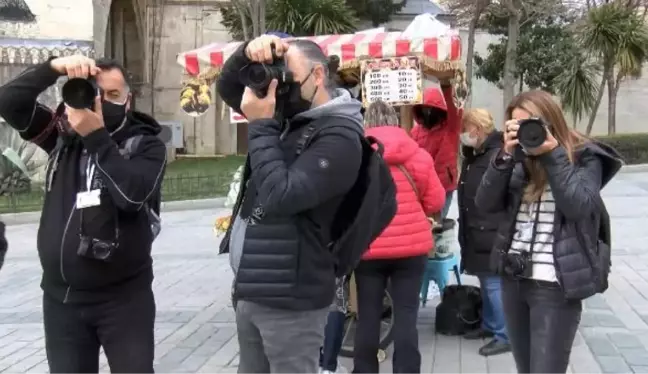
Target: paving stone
{"points": [[639, 369], [635, 356], [601, 346], [613, 364], [625, 340], [596, 302]]}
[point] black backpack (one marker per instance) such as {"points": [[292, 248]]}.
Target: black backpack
{"points": [[602, 256], [366, 209], [460, 310], [152, 206]]}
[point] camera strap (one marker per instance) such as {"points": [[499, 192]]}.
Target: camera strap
{"points": [[534, 229]]}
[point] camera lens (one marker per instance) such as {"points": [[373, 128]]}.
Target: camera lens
{"points": [[79, 93], [258, 76], [532, 133]]}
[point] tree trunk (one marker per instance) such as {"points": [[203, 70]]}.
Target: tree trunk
{"points": [[254, 12], [597, 104], [242, 9], [470, 53], [262, 16], [612, 93], [508, 81]]}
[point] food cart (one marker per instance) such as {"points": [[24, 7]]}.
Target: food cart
{"points": [[390, 66]]}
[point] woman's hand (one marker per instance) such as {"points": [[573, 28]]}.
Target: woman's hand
{"points": [[510, 136], [549, 145]]}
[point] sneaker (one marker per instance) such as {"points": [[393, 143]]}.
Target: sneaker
{"points": [[478, 334], [340, 370], [494, 347]]}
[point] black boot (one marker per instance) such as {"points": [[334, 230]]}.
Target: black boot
{"points": [[494, 347]]}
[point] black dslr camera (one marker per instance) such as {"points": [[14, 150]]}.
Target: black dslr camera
{"points": [[80, 93], [96, 249], [516, 264], [258, 76], [532, 133]]}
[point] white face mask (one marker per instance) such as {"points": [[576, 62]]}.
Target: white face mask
{"points": [[468, 140]]}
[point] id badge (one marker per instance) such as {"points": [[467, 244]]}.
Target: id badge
{"points": [[88, 199], [525, 231]]}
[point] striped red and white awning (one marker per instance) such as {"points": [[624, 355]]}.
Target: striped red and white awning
{"points": [[348, 47]]}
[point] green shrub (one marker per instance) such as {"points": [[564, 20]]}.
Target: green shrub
{"points": [[633, 147]]}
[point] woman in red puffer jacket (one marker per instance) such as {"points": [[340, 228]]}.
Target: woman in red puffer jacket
{"points": [[399, 254]]}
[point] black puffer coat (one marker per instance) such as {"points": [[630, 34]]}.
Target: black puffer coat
{"points": [[477, 229], [576, 189]]}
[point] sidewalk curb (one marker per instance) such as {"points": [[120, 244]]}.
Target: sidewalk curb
{"points": [[639, 168], [216, 203], [171, 206]]}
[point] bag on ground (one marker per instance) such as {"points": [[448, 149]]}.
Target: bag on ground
{"points": [[460, 310]]}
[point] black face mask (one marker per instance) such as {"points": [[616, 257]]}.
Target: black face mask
{"points": [[113, 114], [294, 103]]}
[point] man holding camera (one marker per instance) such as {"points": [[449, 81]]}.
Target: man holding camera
{"points": [[94, 241], [304, 155]]}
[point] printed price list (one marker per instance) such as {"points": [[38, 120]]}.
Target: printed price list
{"points": [[392, 85]]}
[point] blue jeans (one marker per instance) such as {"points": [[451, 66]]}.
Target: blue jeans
{"points": [[333, 338], [492, 309], [448, 202]]}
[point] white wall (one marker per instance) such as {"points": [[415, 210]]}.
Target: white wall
{"points": [[58, 19]]}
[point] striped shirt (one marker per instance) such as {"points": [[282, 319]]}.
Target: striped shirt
{"points": [[542, 258]]}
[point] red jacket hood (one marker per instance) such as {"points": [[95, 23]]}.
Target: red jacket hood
{"points": [[399, 146]]}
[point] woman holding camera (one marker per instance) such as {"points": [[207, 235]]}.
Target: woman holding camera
{"points": [[548, 246], [477, 230]]}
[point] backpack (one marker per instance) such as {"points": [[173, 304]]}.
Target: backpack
{"points": [[152, 206], [602, 259], [367, 208], [460, 310]]}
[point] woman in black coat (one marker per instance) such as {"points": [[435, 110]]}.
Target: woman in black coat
{"points": [[549, 247], [477, 230]]}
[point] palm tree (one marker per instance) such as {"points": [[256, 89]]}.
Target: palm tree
{"points": [[296, 17], [577, 88], [616, 36], [21, 162]]}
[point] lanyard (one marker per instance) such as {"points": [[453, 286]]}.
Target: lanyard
{"points": [[90, 170]]}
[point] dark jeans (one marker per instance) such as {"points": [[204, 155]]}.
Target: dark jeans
{"points": [[405, 276], [541, 325], [123, 327], [333, 339]]}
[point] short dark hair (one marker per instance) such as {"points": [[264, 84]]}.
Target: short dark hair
{"points": [[314, 53], [106, 63]]}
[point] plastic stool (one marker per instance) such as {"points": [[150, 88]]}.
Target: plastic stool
{"points": [[438, 270]]}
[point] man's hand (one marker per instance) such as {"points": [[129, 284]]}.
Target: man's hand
{"points": [[260, 50], [85, 121], [254, 107], [77, 66]]}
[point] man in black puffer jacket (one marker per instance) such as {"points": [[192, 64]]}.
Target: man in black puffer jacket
{"points": [[95, 237], [283, 217]]}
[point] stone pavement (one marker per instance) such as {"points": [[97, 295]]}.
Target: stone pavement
{"points": [[195, 331]]}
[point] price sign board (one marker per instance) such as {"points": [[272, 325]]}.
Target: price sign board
{"points": [[396, 81]]}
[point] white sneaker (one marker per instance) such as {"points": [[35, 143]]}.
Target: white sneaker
{"points": [[340, 370]]}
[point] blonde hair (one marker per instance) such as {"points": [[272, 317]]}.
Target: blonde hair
{"points": [[541, 104], [480, 118], [379, 114]]}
